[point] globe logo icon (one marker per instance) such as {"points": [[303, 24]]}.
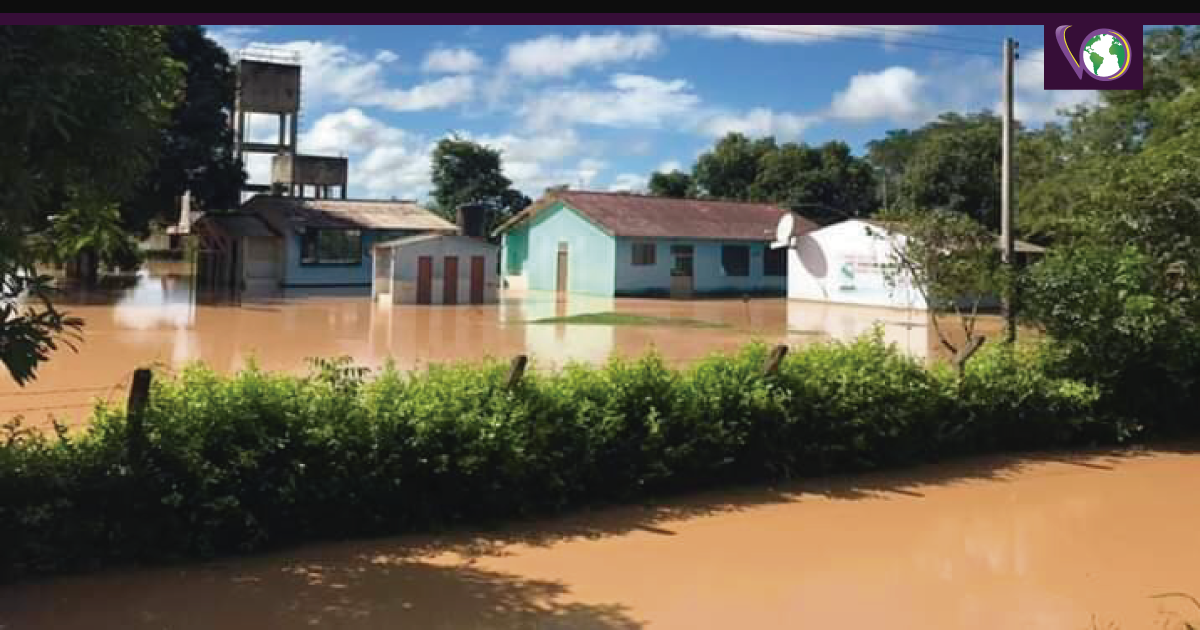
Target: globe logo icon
{"points": [[1105, 55]]}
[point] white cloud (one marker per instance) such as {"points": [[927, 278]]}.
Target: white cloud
{"points": [[894, 94], [634, 101], [537, 161], [556, 56], [233, 38], [384, 161], [806, 33], [452, 61], [436, 94], [628, 182], [759, 121], [335, 75], [668, 166]]}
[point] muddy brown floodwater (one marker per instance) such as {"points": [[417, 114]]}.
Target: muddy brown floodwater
{"points": [[162, 319], [1046, 541]]}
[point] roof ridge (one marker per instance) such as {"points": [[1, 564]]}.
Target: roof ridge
{"points": [[610, 193]]}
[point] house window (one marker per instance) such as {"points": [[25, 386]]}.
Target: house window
{"points": [[643, 254], [331, 247], [735, 260], [775, 261]]}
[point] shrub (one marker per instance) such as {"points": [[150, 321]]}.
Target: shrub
{"points": [[253, 460]]}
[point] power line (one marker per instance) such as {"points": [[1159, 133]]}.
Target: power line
{"points": [[865, 39], [923, 34]]}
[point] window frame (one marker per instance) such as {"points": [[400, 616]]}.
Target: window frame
{"points": [[643, 247], [314, 235], [726, 250]]}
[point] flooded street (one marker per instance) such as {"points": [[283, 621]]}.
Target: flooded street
{"points": [[1062, 541], [163, 320]]}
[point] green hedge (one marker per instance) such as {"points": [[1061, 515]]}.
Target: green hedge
{"points": [[243, 462]]}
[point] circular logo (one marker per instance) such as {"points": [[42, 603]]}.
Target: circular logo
{"points": [[1105, 54]]}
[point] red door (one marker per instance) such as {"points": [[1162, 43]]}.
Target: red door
{"points": [[424, 279], [450, 281], [477, 279]]}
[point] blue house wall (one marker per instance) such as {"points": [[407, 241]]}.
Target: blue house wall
{"points": [[297, 274], [601, 264], [709, 275], [590, 252]]}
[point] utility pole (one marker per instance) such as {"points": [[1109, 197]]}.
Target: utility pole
{"points": [[1006, 211]]}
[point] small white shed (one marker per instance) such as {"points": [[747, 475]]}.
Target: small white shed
{"points": [[436, 269], [848, 263]]}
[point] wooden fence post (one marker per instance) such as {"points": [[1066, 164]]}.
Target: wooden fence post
{"points": [[139, 395], [516, 371], [774, 360]]}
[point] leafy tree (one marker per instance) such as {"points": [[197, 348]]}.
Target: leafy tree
{"points": [[825, 183], [1120, 294], [951, 260], [81, 109], [195, 151], [955, 165], [466, 172], [675, 184], [87, 234], [731, 167]]}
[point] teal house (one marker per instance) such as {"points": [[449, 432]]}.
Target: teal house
{"points": [[620, 244]]}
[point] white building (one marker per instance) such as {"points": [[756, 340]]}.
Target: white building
{"points": [[848, 263], [854, 262], [436, 269]]}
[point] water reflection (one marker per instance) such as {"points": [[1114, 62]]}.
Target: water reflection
{"points": [[161, 318]]}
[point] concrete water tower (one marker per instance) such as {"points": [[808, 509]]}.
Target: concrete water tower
{"points": [[268, 83]]}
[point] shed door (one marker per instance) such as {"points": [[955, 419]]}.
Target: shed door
{"points": [[450, 280], [477, 267], [424, 279]]}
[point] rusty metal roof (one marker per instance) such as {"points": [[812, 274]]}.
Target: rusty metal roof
{"points": [[347, 214], [643, 216], [239, 224]]}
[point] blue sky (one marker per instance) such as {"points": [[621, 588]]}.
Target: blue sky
{"points": [[603, 107]]}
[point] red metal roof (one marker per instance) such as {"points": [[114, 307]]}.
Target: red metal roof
{"points": [[643, 216]]}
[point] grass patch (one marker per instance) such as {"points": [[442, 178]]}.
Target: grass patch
{"points": [[627, 319]]}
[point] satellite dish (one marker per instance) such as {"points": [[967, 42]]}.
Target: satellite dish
{"points": [[785, 232]]}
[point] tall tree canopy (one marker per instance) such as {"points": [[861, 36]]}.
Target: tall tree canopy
{"points": [[81, 111], [195, 150], [826, 182], [675, 184], [466, 172]]}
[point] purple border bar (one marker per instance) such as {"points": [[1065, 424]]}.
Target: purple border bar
{"points": [[574, 18]]}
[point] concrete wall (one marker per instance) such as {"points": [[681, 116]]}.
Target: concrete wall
{"points": [[299, 275], [268, 87], [710, 277], [404, 269], [312, 170], [843, 263], [590, 251]]}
